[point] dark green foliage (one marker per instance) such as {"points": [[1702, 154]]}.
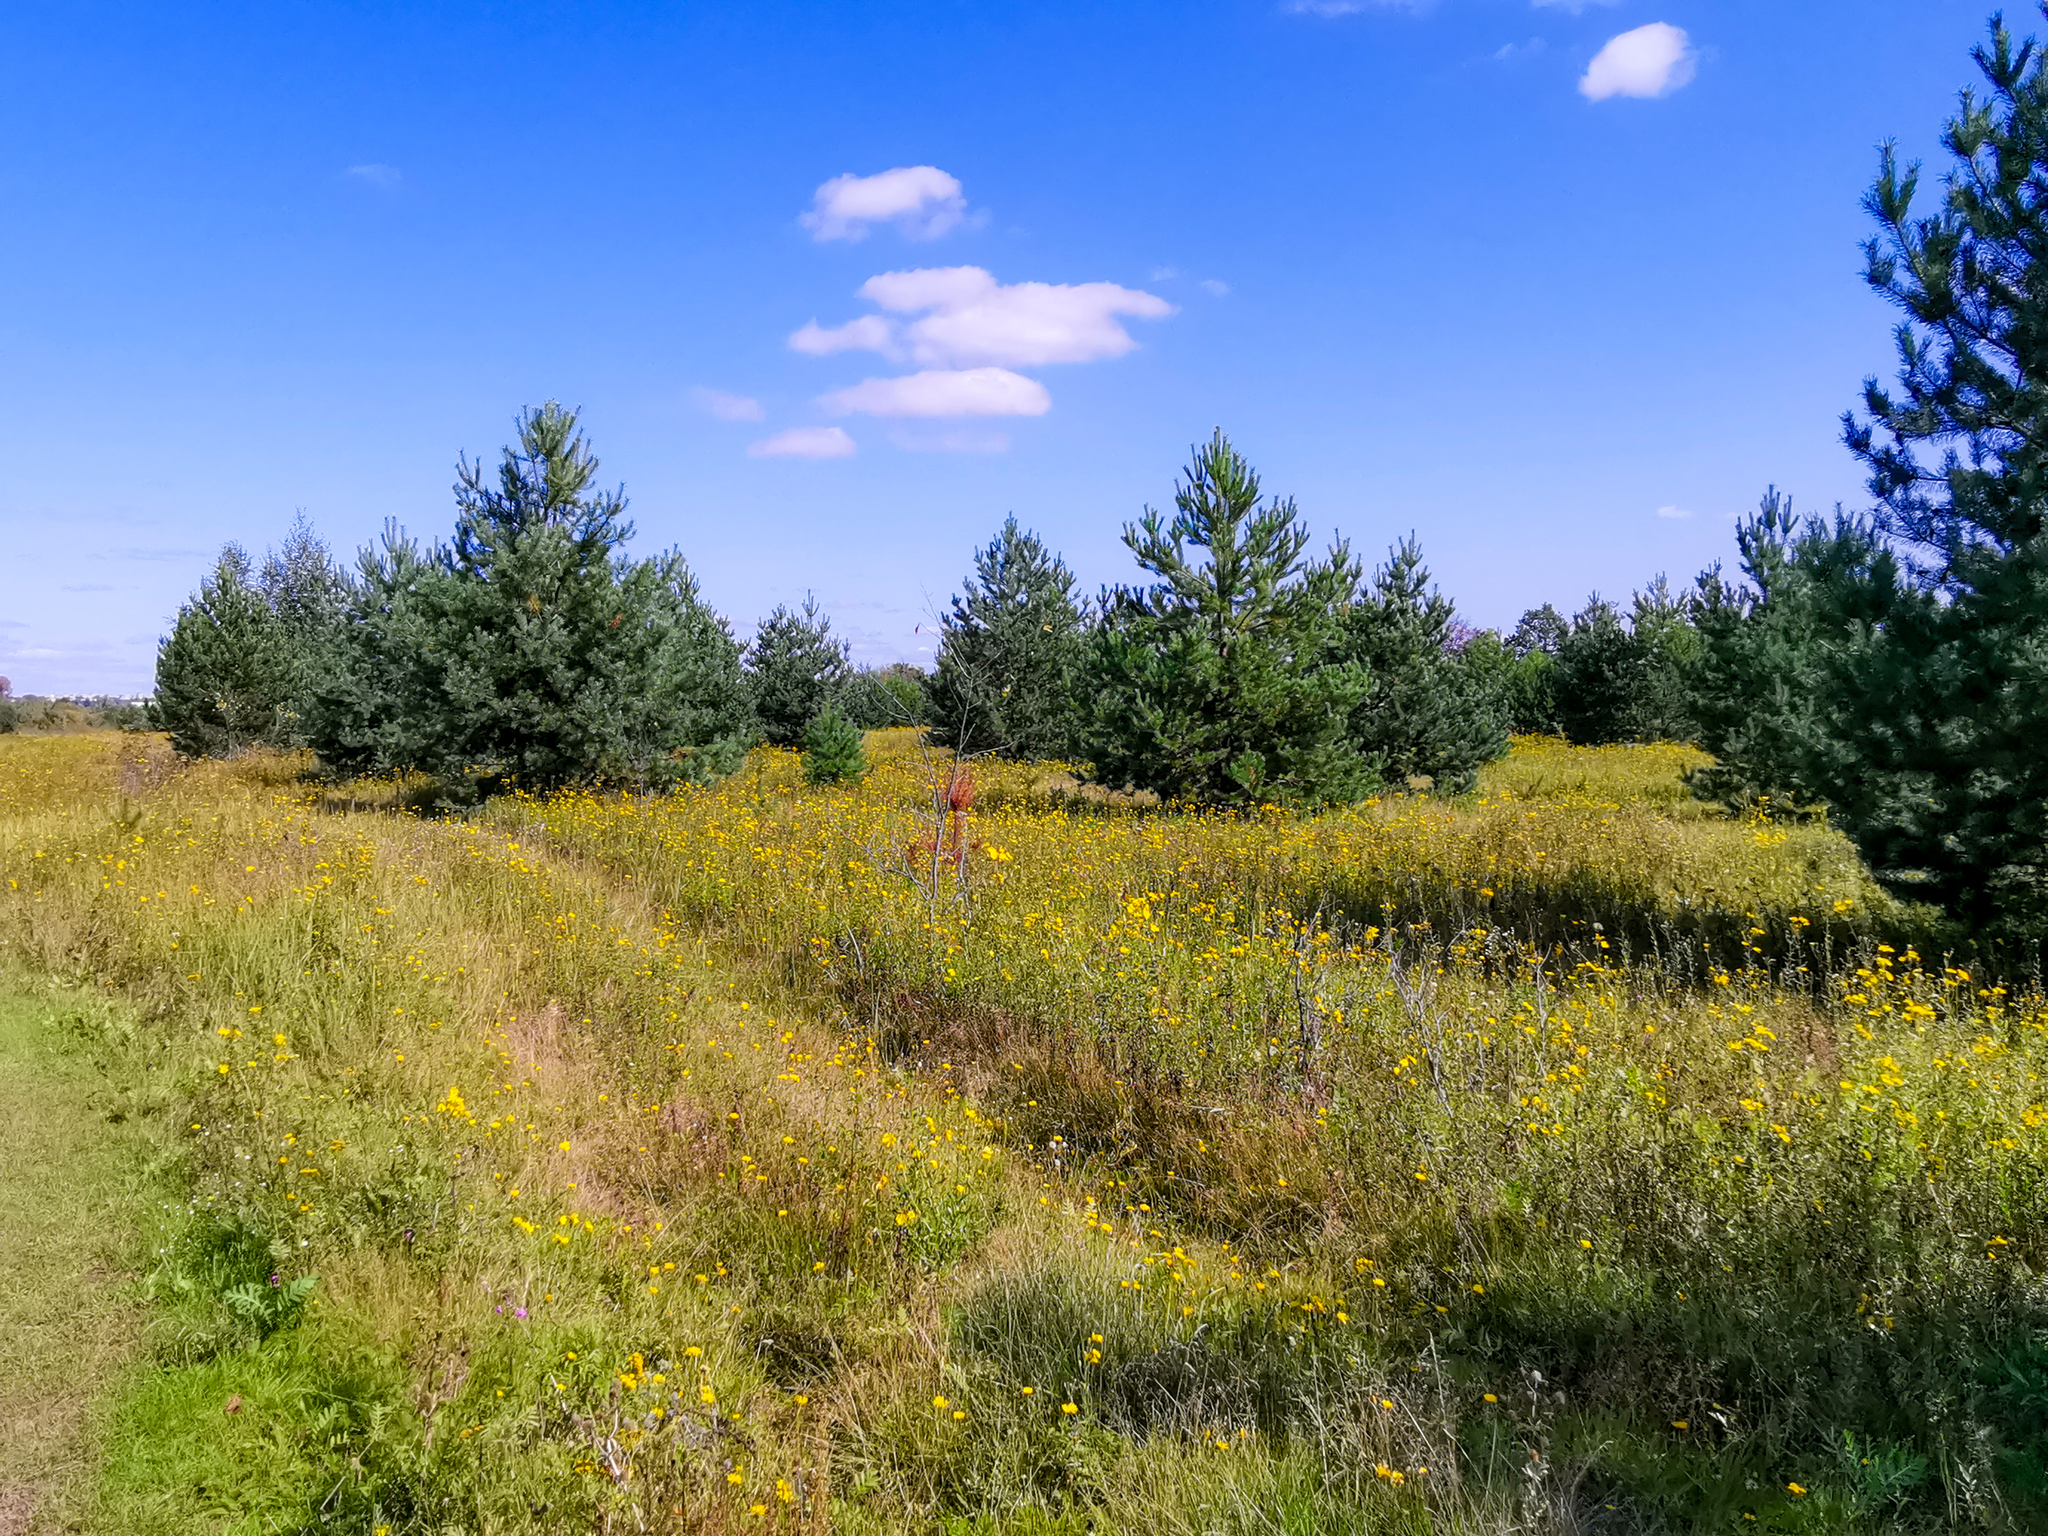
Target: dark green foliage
{"points": [[1429, 714], [794, 668], [1531, 686], [1223, 682], [532, 653], [832, 748], [226, 675], [1011, 652], [1599, 675], [1938, 710], [880, 697], [1761, 683], [10, 710], [1662, 627]]}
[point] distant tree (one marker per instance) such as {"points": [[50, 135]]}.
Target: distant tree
{"points": [[1531, 671], [880, 697], [1428, 713], [1222, 682], [226, 675], [1010, 654], [533, 652], [1763, 682], [1599, 675], [794, 668], [832, 748], [1668, 644]]}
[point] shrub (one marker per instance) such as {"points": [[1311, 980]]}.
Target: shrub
{"points": [[832, 748]]}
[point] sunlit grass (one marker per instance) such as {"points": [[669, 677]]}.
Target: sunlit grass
{"points": [[667, 1159]]}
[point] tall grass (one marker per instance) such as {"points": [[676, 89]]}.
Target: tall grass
{"points": [[1566, 1157]]}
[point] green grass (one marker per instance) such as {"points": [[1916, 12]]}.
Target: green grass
{"points": [[68, 1211]]}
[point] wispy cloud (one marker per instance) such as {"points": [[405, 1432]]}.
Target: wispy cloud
{"points": [[804, 443], [1673, 512], [725, 406], [964, 316], [1216, 286], [385, 176], [922, 201], [1573, 7], [1649, 61], [943, 392]]}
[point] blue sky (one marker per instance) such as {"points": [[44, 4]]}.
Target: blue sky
{"points": [[1470, 268]]}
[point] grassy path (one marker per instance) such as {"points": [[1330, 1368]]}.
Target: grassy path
{"points": [[66, 1329]]}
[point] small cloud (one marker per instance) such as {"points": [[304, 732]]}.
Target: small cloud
{"points": [[1653, 60], [920, 200], [804, 443], [1673, 512], [384, 176], [1215, 285], [944, 392], [952, 442], [1161, 275], [1573, 7], [870, 333], [964, 316], [1510, 51], [723, 406]]}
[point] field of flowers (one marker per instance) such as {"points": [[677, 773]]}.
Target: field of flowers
{"points": [[967, 1151]]}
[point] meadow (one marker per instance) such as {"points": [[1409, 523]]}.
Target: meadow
{"points": [[968, 1151]]}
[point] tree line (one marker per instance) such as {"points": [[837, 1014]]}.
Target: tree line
{"points": [[1888, 669]]}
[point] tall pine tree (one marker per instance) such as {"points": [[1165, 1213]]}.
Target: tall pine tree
{"points": [[1940, 714]]}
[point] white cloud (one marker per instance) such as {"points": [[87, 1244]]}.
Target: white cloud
{"points": [[376, 175], [965, 317], [1648, 61], [920, 200], [870, 333], [1673, 512], [944, 392], [1161, 275], [804, 443], [725, 406], [1215, 285], [952, 442]]}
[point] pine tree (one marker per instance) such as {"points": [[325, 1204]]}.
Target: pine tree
{"points": [[794, 668], [1762, 682], [1661, 625], [832, 748], [1222, 681], [1429, 714], [225, 675], [1531, 680], [878, 698], [1599, 675], [532, 652], [1010, 654], [1938, 715]]}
